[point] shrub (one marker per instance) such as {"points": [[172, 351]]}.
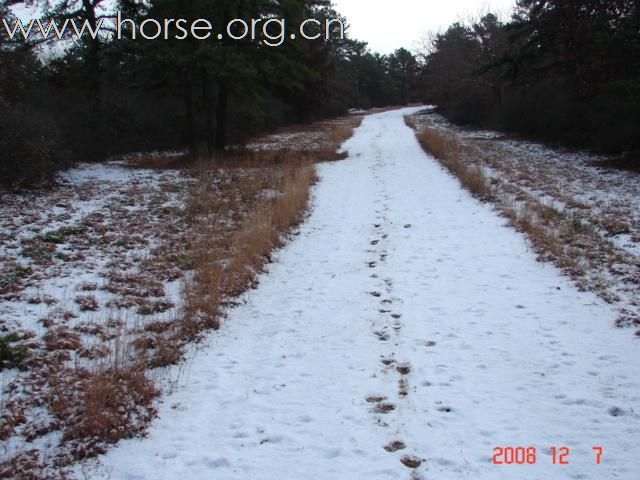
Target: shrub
{"points": [[12, 354], [30, 146]]}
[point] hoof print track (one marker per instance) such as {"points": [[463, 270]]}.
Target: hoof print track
{"points": [[382, 336], [384, 407], [403, 388], [410, 461], [390, 366], [403, 369], [395, 446], [374, 399]]}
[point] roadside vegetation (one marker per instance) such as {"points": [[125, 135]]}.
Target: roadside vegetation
{"points": [[556, 71], [70, 101], [111, 279], [575, 210]]}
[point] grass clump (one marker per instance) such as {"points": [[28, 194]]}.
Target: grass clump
{"points": [[12, 353]]}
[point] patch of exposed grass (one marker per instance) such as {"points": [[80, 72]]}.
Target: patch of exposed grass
{"points": [[61, 235], [472, 176], [12, 352], [39, 251], [11, 273], [226, 218], [102, 407], [573, 238]]}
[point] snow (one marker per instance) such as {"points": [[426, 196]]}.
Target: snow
{"points": [[94, 203], [582, 186], [396, 262], [86, 189]]}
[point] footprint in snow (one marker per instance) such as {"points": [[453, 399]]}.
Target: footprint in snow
{"points": [[384, 407], [403, 388], [616, 412], [410, 461], [382, 336], [375, 399], [395, 446]]}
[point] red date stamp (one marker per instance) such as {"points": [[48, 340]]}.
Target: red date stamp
{"points": [[529, 455]]}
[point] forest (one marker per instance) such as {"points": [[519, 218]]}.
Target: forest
{"points": [[557, 70], [561, 71]]}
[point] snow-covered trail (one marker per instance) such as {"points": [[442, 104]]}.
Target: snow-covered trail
{"points": [[403, 287]]}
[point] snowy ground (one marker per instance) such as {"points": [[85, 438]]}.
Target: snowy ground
{"points": [[81, 265], [405, 311], [101, 278], [588, 210]]}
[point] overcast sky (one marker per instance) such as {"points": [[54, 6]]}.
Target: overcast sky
{"points": [[390, 24]]}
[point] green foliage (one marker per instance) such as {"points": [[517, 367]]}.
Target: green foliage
{"points": [[10, 276], [39, 251], [561, 71], [12, 354], [29, 142], [107, 96], [61, 235]]}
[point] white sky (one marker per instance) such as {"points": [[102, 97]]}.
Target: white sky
{"points": [[390, 24]]}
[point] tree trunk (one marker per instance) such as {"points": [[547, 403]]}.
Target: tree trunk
{"points": [[208, 111], [94, 82], [221, 115], [190, 127]]}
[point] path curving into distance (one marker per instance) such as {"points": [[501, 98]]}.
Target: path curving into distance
{"points": [[404, 315]]}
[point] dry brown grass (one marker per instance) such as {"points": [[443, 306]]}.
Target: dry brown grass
{"points": [[567, 238], [267, 197], [227, 265], [449, 152], [524, 213], [157, 160], [539, 221], [101, 407], [94, 377]]}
